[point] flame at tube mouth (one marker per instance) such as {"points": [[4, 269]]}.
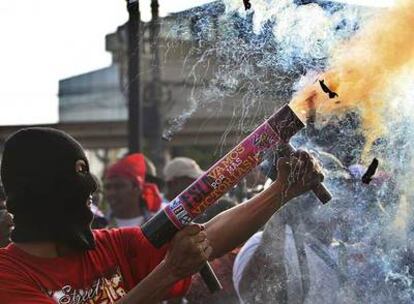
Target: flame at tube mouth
{"points": [[363, 71]]}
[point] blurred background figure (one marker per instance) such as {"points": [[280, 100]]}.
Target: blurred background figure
{"points": [[131, 198], [6, 220], [180, 173]]}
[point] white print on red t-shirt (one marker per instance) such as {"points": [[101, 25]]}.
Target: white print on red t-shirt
{"points": [[104, 290]]}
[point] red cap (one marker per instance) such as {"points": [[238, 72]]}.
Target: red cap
{"points": [[133, 168]]}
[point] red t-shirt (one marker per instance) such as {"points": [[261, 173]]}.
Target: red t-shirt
{"points": [[121, 259]]}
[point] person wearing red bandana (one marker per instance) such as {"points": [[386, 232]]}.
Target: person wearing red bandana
{"points": [[132, 199]]}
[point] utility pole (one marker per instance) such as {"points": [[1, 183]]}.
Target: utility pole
{"points": [[156, 145], [134, 100]]}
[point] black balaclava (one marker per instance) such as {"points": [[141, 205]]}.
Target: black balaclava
{"points": [[46, 195]]}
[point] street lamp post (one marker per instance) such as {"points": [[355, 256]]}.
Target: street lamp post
{"points": [[157, 146], [134, 100]]}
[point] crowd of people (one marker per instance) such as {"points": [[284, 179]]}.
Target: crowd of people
{"points": [[59, 247]]}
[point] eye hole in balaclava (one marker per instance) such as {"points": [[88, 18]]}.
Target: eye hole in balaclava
{"points": [[47, 182], [81, 167]]}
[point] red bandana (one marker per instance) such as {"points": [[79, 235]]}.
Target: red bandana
{"points": [[133, 168]]}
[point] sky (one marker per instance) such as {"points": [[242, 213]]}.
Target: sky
{"points": [[44, 41]]}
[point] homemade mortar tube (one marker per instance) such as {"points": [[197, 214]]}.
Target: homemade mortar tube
{"points": [[224, 175]]}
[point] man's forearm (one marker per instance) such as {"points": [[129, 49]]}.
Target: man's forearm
{"points": [[233, 227], [153, 289]]}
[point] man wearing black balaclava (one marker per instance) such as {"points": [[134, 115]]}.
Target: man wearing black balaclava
{"points": [[54, 256], [46, 176]]}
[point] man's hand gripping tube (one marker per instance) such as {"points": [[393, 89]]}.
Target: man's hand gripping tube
{"points": [[269, 168], [222, 176]]}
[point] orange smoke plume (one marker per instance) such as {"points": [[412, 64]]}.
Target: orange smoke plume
{"points": [[362, 71]]}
